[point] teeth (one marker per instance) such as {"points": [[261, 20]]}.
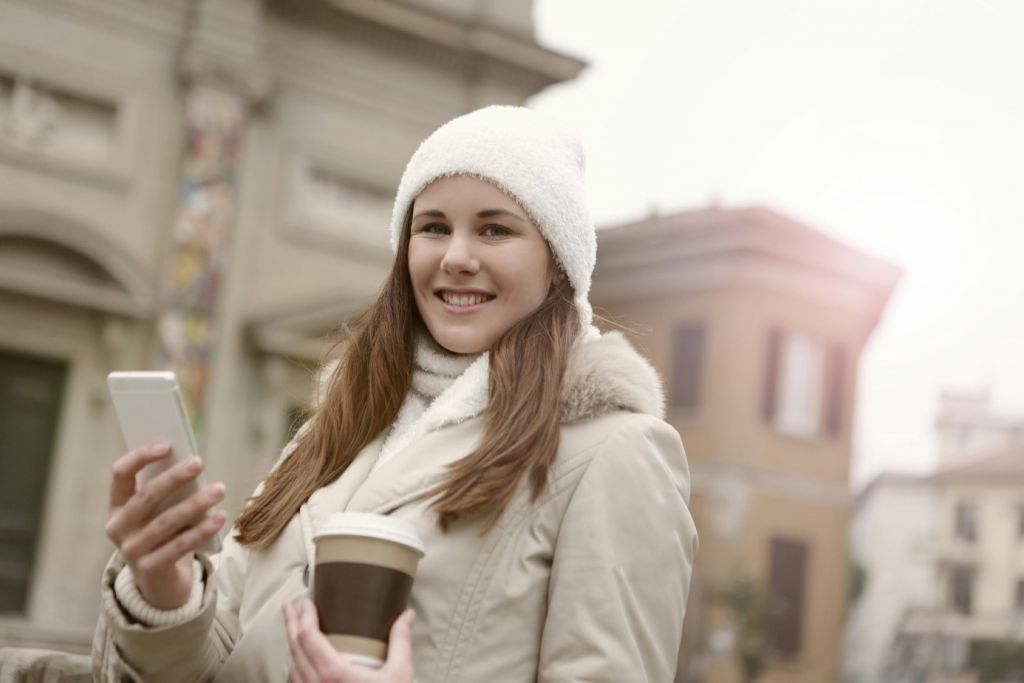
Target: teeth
{"points": [[453, 299]]}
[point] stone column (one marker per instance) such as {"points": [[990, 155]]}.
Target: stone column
{"points": [[224, 75]]}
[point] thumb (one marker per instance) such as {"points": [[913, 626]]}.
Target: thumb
{"points": [[400, 646]]}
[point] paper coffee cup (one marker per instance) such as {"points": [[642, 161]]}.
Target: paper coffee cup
{"points": [[365, 566]]}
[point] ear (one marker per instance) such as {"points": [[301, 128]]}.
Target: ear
{"points": [[556, 275]]}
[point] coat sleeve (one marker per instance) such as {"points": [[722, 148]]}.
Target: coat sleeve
{"points": [[621, 569], [192, 650]]}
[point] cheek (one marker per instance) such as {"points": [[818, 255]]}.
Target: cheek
{"points": [[419, 266], [531, 280]]}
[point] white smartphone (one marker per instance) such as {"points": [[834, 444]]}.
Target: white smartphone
{"points": [[149, 408]]}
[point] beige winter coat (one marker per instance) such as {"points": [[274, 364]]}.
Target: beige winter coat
{"points": [[589, 583]]}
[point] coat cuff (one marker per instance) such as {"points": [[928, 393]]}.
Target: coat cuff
{"points": [[151, 650], [127, 593]]}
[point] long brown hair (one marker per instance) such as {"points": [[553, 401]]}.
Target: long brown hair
{"points": [[366, 390]]}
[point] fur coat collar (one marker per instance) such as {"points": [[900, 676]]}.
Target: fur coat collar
{"points": [[608, 374], [605, 373]]}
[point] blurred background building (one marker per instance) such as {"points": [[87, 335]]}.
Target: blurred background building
{"points": [[891, 544], [188, 184], [757, 323], [943, 559], [204, 184]]}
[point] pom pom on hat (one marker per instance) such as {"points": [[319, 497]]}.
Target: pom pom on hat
{"points": [[532, 159]]}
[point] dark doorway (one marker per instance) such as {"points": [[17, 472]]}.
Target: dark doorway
{"points": [[31, 390]]}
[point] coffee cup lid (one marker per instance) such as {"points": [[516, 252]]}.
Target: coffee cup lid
{"points": [[371, 526]]}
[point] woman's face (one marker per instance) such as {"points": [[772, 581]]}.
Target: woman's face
{"points": [[478, 264]]}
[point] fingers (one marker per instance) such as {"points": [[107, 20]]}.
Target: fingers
{"points": [[185, 543], [308, 616], [321, 654], [302, 670], [399, 663], [122, 484], [186, 514], [294, 675], [315, 659], [141, 506]]}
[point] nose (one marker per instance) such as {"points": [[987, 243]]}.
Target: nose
{"points": [[459, 257]]}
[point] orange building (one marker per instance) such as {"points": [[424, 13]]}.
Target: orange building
{"points": [[757, 324]]}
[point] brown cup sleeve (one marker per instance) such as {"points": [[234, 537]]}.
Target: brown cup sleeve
{"points": [[360, 599]]}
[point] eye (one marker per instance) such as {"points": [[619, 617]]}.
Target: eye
{"points": [[495, 230], [434, 229]]}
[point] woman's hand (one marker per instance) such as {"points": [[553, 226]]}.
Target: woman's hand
{"points": [[158, 547], [314, 659]]}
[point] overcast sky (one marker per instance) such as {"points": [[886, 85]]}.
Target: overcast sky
{"points": [[896, 127]]}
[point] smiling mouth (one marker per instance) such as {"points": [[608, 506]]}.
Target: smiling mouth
{"points": [[463, 299]]}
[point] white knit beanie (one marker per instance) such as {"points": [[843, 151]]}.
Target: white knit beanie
{"points": [[530, 158]]}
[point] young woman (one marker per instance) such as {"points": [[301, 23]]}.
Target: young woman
{"points": [[476, 401]]}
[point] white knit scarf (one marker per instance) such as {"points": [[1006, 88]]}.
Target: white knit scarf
{"points": [[447, 388]]}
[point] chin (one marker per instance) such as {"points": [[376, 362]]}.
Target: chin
{"points": [[463, 348], [462, 344]]}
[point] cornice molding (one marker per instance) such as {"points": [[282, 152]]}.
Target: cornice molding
{"points": [[304, 332], [150, 21], [709, 271], [453, 43], [316, 72], [706, 475], [715, 249]]}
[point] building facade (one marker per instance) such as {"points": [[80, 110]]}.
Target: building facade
{"points": [[944, 559], [891, 540], [196, 184], [972, 627], [757, 323]]}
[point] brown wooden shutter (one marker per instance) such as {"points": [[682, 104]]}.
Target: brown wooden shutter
{"points": [[771, 373], [786, 582], [687, 361], [834, 389]]}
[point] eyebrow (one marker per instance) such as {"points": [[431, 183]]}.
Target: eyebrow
{"points": [[486, 213]]}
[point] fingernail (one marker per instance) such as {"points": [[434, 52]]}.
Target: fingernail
{"points": [[161, 447], [195, 462], [219, 489]]}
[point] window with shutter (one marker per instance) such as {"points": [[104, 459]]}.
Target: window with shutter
{"points": [[787, 584], [804, 385]]}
